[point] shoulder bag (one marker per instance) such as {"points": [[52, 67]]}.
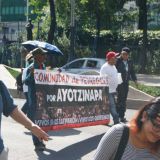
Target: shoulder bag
{"points": [[123, 143]]}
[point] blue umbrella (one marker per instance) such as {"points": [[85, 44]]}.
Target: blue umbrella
{"points": [[52, 49]]}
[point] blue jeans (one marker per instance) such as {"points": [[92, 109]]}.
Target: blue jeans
{"points": [[112, 107]]}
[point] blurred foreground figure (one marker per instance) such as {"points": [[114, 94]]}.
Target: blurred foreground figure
{"points": [[8, 108], [137, 140]]}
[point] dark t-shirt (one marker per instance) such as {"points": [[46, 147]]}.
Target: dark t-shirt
{"points": [[6, 107]]}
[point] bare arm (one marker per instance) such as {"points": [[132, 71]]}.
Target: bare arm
{"points": [[19, 116]]}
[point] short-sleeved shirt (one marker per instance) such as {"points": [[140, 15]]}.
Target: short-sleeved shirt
{"points": [[111, 72], [109, 143], [6, 107]]}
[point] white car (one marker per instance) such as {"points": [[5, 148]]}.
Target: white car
{"points": [[83, 66]]}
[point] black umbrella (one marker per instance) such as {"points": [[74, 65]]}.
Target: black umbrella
{"points": [[52, 49]]}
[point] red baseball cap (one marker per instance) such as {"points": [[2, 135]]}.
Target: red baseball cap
{"points": [[111, 54]]}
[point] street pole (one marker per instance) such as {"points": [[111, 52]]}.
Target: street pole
{"points": [[27, 10], [72, 38], [0, 10]]}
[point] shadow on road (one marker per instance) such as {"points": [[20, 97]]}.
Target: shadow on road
{"points": [[59, 133], [81, 148], [66, 132]]}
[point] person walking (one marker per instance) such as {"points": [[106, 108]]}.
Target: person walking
{"points": [[141, 136], [8, 108], [110, 70], [124, 66], [28, 60], [38, 63]]}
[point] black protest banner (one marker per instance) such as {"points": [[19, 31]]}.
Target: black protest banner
{"points": [[69, 100]]}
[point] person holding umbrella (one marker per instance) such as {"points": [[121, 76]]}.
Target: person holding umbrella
{"points": [[38, 63], [28, 60]]}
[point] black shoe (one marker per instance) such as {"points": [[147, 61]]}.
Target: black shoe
{"points": [[40, 147], [123, 120]]}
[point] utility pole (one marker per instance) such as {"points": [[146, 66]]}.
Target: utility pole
{"points": [[0, 10], [72, 37], [27, 11]]}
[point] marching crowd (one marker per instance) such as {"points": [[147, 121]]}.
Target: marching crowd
{"points": [[138, 139]]}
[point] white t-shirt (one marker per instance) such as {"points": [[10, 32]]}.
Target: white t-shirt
{"points": [[112, 73], [25, 87]]}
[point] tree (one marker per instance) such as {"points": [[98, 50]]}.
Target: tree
{"points": [[102, 12], [52, 28], [143, 26]]}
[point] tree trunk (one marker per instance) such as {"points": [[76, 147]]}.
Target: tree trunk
{"points": [[143, 26], [53, 22], [52, 60], [98, 27]]}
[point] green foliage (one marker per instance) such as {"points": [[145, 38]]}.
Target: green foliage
{"points": [[83, 51], [13, 72], [64, 44], [151, 90]]}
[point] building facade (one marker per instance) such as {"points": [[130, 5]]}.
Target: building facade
{"points": [[13, 16]]}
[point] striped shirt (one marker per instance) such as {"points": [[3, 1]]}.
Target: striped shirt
{"points": [[109, 143]]}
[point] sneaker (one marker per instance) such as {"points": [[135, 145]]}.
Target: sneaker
{"points": [[123, 120], [40, 147]]}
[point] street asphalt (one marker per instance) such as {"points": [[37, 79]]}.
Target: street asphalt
{"points": [[67, 144]]}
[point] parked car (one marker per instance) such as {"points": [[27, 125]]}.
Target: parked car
{"points": [[83, 65]]}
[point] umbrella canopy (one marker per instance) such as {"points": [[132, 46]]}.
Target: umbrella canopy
{"points": [[52, 49]]}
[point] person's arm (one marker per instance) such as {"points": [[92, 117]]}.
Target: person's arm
{"points": [[29, 79], [19, 116], [109, 143]]}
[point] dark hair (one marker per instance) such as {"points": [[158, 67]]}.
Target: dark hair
{"points": [[152, 109], [126, 49]]}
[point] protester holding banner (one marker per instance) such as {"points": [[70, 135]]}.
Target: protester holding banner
{"points": [[8, 108], [29, 60], [39, 58], [110, 70]]}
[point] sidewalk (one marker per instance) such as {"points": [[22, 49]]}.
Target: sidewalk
{"points": [[149, 80]]}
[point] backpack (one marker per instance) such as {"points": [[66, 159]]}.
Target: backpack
{"points": [[19, 82]]}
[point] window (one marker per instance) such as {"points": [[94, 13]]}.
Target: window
{"points": [[76, 64], [7, 10], [3, 11], [91, 64], [11, 10], [21, 10], [16, 10]]}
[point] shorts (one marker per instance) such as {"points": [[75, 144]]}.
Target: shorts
{"points": [[4, 154]]}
